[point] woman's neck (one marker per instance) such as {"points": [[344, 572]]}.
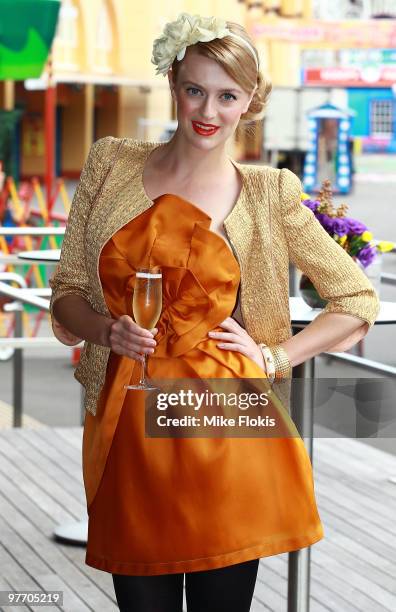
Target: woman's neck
{"points": [[184, 162]]}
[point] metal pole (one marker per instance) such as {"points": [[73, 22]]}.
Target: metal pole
{"points": [[17, 370], [50, 133], [303, 395]]}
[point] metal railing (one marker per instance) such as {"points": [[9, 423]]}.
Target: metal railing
{"points": [[33, 297], [32, 231]]}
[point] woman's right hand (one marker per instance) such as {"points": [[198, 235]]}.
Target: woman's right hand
{"points": [[127, 338]]}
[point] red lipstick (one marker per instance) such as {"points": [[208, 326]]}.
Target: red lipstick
{"points": [[204, 129]]}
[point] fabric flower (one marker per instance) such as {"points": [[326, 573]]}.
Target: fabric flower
{"points": [[185, 31]]}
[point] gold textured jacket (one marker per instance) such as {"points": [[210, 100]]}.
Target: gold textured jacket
{"points": [[267, 227]]}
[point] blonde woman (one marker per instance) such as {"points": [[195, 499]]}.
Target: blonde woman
{"points": [[204, 509]]}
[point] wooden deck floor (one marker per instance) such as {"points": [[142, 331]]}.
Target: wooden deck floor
{"points": [[353, 568]]}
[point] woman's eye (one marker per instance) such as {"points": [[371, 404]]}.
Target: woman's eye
{"points": [[193, 91], [229, 94]]}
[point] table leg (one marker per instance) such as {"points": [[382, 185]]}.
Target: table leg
{"points": [[73, 533]]}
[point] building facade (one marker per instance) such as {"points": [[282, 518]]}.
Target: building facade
{"points": [[105, 81]]}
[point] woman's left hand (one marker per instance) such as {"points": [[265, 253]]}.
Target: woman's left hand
{"points": [[235, 338]]}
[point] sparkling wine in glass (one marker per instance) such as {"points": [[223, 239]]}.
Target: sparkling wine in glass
{"points": [[146, 306]]}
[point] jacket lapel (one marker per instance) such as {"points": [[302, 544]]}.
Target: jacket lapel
{"points": [[122, 199], [254, 246]]}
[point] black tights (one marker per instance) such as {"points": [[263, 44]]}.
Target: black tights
{"points": [[227, 589]]}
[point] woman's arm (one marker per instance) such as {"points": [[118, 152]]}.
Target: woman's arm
{"points": [[353, 303], [325, 333], [70, 276], [77, 320], [122, 335]]}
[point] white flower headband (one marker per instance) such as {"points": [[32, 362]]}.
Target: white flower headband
{"points": [[188, 30]]}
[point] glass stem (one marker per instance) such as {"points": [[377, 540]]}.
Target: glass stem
{"points": [[142, 380]]}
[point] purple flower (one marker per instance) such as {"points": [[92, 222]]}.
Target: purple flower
{"points": [[354, 226], [339, 226], [367, 255], [312, 204], [326, 221]]}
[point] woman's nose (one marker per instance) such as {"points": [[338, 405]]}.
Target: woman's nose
{"points": [[208, 110]]}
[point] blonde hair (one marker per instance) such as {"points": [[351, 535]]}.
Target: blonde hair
{"points": [[237, 60]]}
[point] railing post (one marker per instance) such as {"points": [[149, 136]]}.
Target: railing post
{"points": [[303, 396], [17, 371]]}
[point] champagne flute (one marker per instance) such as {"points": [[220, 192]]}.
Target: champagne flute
{"points": [[146, 306]]}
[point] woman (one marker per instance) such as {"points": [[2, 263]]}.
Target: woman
{"points": [[208, 508]]}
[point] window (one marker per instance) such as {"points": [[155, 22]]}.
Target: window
{"points": [[381, 118], [104, 41], [383, 8], [68, 24]]}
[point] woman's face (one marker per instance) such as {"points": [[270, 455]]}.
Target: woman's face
{"points": [[205, 94]]}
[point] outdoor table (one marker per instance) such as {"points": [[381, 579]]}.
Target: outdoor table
{"points": [[45, 255]]}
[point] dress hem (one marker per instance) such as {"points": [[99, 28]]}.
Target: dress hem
{"points": [[205, 563]]}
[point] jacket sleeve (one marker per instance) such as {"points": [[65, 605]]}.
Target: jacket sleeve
{"points": [[70, 276], [333, 272]]}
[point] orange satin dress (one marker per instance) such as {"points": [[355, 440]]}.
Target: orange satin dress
{"points": [[170, 505]]}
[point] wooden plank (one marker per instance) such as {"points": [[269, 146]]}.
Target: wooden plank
{"points": [[350, 506], [320, 591], [51, 556], [17, 577], [50, 462], [52, 446], [347, 544], [45, 486], [72, 435], [45, 524], [30, 489], [68, 471], [375, 508], [49, 438], [72, 484], [374, 574], [357, 466], [367, 594], [359, 450], [363, 526], [376, 495], [348, 529], [38, 568], [359, 473]]}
